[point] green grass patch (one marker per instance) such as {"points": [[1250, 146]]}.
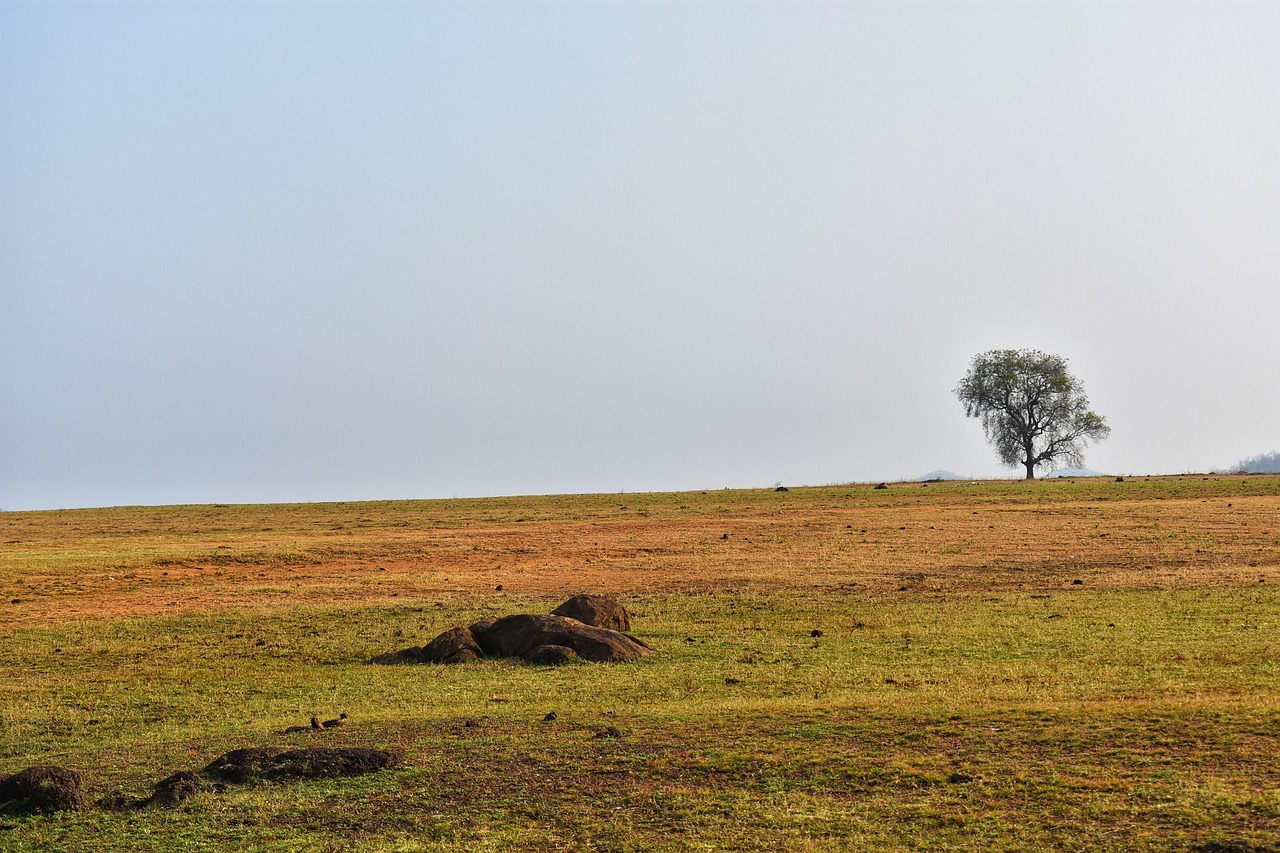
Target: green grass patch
{"points": [[960, 722], [915, 668]]}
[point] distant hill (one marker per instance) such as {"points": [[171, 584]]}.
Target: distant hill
{"points": [[941, 475]]}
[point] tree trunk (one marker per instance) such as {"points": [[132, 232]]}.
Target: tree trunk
{"points": [[1031, 470]]}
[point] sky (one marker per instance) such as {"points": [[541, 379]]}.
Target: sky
{"points": [[266, 252]]}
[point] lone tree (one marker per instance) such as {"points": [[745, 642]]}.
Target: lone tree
{"points": [[1033, 411]]}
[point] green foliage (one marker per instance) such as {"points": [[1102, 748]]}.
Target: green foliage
{"points": [[1033, 411], [1263, 463]]}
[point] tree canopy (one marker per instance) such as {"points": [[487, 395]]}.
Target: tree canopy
{"points": [[1263, 463], [1033, 411]]}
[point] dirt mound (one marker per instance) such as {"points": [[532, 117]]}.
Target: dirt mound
{"points": [[43, 788], [518, 635], [599, 611], [322, 763], [244, 765], [173, 789], [117, 802], [169, 791]]}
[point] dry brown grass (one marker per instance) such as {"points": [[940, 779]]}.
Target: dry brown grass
{"points": [[942, 537]]}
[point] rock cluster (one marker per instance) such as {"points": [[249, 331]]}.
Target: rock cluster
{"points": [[586, 627]]}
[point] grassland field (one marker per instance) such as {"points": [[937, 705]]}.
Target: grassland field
{"points": [[1054, 665]]}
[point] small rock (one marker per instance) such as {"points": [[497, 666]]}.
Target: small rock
{"points": [[732, 681], [551, 717], [882, 485], [1077, 582], [815, 633]]}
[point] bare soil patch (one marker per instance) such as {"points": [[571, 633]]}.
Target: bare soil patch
{"points": [[133, 561]]}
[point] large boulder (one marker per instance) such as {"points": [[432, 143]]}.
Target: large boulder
{"points": [[43, 788], [599, 611], [173, 789], [242, 765], [518, 635], [321, 763]]}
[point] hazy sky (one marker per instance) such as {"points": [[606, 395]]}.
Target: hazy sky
{"points": [[319, 251]]}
